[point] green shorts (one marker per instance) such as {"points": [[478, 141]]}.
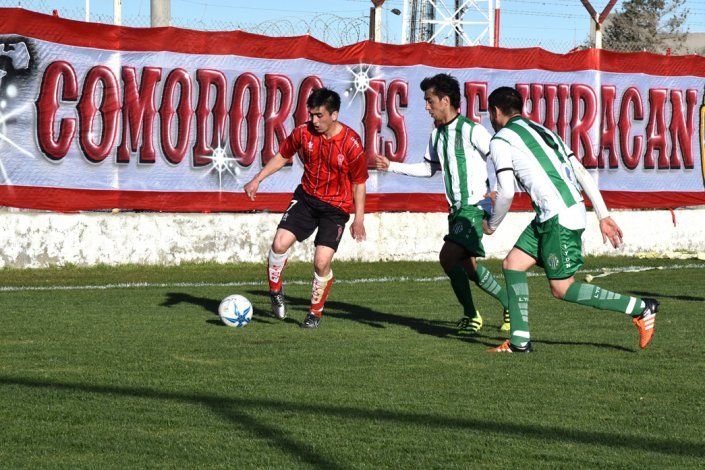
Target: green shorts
{"points": [[465, 229], [558, 250]]}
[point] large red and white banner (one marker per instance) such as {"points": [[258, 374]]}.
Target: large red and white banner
{"points": [[94, 116]]}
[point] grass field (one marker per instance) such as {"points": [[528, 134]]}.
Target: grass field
{"points": [[146, 376]]}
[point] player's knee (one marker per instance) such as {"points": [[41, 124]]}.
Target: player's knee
{"points": [[506, 264], [280, 244], [558, 292], [279, 247], [321, 269]]}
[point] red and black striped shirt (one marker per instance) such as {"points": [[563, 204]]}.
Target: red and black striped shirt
{"points": [[331, 165]]}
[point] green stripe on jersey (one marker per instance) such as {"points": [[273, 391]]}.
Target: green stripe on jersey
{"points": [[461, 161], [544, 160], [548, 139], [446, 166], [496, 137]]}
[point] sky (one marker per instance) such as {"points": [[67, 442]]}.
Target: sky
{"points": [[556, 25]]}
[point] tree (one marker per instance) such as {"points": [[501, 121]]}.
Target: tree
{"points": [[647, 25]]}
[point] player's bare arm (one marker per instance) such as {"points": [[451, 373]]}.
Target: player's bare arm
{"points": [[274, 165], [357, 228]]}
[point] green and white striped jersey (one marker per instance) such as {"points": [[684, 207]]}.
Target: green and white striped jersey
{"points": [[541, 164], [461, 148]]}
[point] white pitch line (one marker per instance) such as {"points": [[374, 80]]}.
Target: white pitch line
{"points": [[133, 285]]}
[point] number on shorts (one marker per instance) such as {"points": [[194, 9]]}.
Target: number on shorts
{"points": [[293, 203]]}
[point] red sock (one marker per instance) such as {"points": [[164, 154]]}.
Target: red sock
{"points": [[319, 292]]}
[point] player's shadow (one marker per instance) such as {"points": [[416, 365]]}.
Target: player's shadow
{"points": [[208, 304], [376, 319], [687, 298], [582, 343], [438, 328], [242, 413]]}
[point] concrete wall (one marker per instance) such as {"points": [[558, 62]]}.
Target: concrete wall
{"points": [[33, 239]]}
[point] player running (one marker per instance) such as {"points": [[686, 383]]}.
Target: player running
{"points": [[335, 171], [553, 177], [459, 148]]}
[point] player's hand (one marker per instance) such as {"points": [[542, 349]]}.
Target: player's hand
{"points": [[251, 189], [486, 228], [357, 230], [381, 162], [611, 231], [492, 196]]}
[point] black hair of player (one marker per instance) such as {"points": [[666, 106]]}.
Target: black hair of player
{"points": [[507, 99], [324, 97], [443, 85]]}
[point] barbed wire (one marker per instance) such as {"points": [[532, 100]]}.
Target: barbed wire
{"points": [[332, 29]]}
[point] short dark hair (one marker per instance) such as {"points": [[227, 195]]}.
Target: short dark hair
{"points": [[443, 85], [507, 99], [324, 97]]}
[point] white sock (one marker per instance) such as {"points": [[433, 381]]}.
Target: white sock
{"points": [[276, 263]]}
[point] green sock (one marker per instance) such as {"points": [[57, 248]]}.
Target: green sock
{"points": [[593, 296], [518, 297], [461, 286], [487, 282]]}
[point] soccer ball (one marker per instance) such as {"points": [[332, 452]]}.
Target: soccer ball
{"points": [[235, 310]]}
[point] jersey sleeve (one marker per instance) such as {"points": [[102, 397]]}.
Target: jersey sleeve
{"points": [[503, 199], [291, 144], [501, 155], [357, 165], [422, 169], [431, 156], [480, 138], [590, 187]]}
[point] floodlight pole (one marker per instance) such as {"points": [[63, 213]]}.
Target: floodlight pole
{"points": [[160, 13], [496, 23], [88, 10], [376, 21], [117, 12], [405, 24]]}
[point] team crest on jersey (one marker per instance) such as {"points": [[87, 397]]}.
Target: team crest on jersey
{"points": [[341, 158], [309, 146], [458, 143], [552, 261]]}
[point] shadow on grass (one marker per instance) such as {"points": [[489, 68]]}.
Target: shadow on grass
{"points": [[176, 298], [208, 304], [687, 298], [376, 319], [239, 413], [437, 328], [583, 343]]}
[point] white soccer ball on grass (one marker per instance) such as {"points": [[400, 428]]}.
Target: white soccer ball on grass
{"points": [[235, 310]]}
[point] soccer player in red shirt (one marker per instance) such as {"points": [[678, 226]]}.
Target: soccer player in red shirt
{"points": [[335, 171]]}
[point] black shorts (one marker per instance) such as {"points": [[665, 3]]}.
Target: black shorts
{"points": [[306, 213]]}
